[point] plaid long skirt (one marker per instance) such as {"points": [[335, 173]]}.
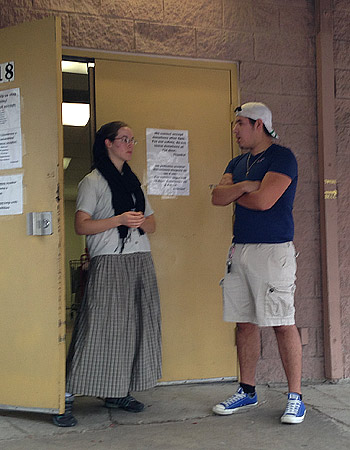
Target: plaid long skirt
{"points": [[116, 343]]}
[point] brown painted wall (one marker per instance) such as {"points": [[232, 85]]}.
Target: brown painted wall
{"points": [[274, 41]]}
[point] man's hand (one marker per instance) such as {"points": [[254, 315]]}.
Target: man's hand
{"points": [[251, 186]]}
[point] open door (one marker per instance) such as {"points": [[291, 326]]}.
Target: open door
{"points": [[32, 329], [192, 238]]}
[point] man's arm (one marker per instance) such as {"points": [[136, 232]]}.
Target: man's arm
{"points": [[226, 192], [272, 187]]}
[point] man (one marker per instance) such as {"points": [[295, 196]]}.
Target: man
{"points": [[258, 288]]}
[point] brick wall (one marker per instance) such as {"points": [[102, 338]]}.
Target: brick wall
{"points": [[274, 41], [342, 110]]}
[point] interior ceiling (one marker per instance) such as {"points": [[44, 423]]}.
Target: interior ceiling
{"points": [[77, 145]]}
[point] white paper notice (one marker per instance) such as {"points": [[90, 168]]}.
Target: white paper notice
{"points": [[10, 129], [168, 169], [168, 179], [11, 194]]}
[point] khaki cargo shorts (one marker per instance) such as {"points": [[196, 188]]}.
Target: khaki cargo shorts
{"points": [[259, 284]]}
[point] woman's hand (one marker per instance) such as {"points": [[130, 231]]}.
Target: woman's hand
{"points": [[131, 219], [149, 225], [85, 225]]}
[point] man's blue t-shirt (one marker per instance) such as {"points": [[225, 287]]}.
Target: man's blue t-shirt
{"points": [[276, 224]]}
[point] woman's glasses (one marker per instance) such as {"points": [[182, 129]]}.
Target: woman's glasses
{"points": [[126, 140]]}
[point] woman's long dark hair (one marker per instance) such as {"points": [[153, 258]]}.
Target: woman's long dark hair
{"points": [[108, 131]]}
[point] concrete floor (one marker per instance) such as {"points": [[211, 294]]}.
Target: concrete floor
{"points": [[180, 417]]}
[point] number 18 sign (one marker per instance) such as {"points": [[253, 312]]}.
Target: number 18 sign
{"points": [[7, 72]]}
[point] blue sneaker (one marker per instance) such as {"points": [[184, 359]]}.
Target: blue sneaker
{"points": [[295, 410], [238, 402]]}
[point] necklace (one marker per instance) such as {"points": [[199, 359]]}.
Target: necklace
{"points": [[252, 164]]}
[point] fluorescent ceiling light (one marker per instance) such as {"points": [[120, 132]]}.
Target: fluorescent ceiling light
{"points": [[66, 162], [74, 67], [75, 114]]}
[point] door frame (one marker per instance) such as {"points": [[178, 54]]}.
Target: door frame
{"points": [[232, 67]]}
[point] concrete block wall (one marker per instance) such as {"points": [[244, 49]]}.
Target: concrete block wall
{"points": [[342, 110], [274, 42]]}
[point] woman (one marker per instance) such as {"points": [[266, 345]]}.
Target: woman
{"points": [[116, 344]]}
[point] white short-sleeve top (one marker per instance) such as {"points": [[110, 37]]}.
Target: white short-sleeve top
{"points": [[95, 198]]}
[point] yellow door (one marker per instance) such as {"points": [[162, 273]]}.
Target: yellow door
{"points": [[192, 238], [32, 349]]}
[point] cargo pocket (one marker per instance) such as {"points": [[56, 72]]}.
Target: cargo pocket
{"points": [[226, 292], [227, 286], [279, 300]]}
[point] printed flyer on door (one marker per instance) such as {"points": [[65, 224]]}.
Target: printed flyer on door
{"points": [[11, 194], [168, 170], [10, 129]]}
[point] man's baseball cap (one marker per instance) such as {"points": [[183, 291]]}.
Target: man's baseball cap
{"points": [[255, 111]]}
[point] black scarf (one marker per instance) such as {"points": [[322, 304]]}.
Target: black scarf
{"points": [[122, 188]]}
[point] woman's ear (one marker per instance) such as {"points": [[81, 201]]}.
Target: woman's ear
{"points": [[108, 143]]}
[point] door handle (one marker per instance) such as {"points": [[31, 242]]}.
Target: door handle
{"points": [[39, 223]]}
